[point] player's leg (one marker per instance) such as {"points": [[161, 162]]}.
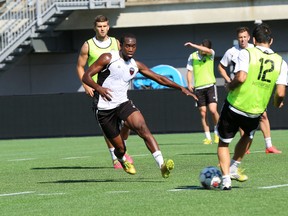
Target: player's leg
{"points": [[137, 123], [215, 118], [120, 152], [227, 128], [224, 161], [125, 132], [249, 126], [110, 125], [240, 150], [241, 132], [202, 106], [205, 125], [116, 163], [212, 98], [265, 128]]}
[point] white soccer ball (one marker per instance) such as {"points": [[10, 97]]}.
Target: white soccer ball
{"points": [[210, 177]]}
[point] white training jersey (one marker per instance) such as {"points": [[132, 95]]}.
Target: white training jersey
{"points": [[231, 55], [117, 77]]}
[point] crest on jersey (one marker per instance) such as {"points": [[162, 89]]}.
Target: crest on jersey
{"points": [[131, 70]]}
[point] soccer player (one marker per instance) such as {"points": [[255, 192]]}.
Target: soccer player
{"points": [[259, 69], [115, 71], [228, 60], [201, 79], [89, 53]]}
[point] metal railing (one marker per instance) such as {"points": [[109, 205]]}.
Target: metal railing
{"points": [[22, 18]]}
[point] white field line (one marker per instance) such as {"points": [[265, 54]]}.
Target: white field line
{"points": [[72, 158], [18, 193], [50, 194], [22, 159], [274, 186], [113, 192]]}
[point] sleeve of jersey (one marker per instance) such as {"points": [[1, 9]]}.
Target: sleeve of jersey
{"points": [[283, 76], [189, 63], [242, 62]]}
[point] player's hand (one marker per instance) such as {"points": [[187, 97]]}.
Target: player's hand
{"points": [[189, 93], [226, 86], [188, 44], [89, 90], [105, 93], [280, 105], [190, 88]]}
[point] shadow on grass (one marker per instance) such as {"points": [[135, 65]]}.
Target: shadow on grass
{"points": [[200, 153], [99, 181], [67, 168], [190, 188], [200, 188]]}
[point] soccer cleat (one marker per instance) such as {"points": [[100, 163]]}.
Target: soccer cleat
{"points": [[129, 158], [117, 164], [239, 176], [166, 168], [272, 150], [207, 141], [128, 167], [247, 152], [216, 139], [226, 186]]}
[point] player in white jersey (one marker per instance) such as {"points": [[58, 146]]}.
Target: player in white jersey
{"points": [[229, 60], [90, 52], [115, 71]]}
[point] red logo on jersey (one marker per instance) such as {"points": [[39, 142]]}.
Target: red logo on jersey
{"points": [[132, 70]]}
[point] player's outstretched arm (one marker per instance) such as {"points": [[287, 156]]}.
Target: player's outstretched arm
{"points": [[198, 47], [163, 80]]}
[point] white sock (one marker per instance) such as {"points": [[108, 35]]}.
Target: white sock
{"points": [[208, 135], [226, 179], [234, 166], [125, 142], [215, 130], [158, 158], [268, 142], [113, 156]]}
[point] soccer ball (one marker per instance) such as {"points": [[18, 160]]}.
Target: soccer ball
{"points": [[210, 177]]}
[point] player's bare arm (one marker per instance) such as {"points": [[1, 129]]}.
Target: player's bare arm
{"points": [[95, 68], [82, 60], [223, 73], [239, 78], [162, 79], [279, 95], [199, 47], [190, 80]]}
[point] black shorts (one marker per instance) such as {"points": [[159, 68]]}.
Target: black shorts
{"points": [[230, 122], [206, 96], [110, 120]]}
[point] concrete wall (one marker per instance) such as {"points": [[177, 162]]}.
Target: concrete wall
{"points": [[49, 73]]}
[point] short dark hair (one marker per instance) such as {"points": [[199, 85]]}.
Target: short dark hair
{"points": [[262, 33], [207, 43], [100, 18], [242, 29], [126, 35]]}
